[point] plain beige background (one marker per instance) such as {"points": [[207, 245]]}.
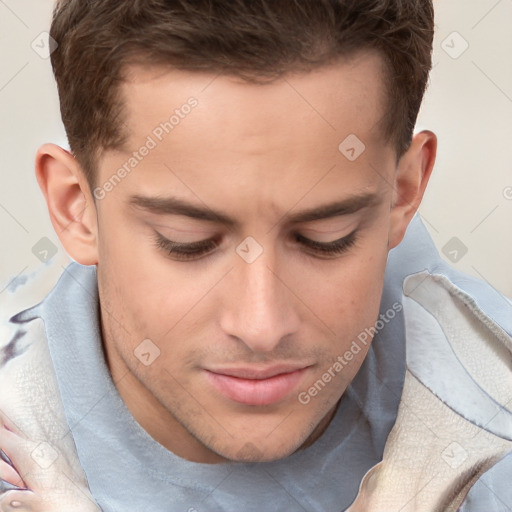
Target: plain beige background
{"points": [[468, 207]]}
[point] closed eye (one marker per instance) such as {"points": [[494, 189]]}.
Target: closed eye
{"points": [[327, 249], [188, 251], [197, 250]]}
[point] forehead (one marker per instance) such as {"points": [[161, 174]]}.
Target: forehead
{"points": [[281, 135], [347, 97]]}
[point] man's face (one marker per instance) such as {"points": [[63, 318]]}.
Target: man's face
{"points": [[248, 248]]}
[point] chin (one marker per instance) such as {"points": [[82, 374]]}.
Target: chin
{"points": [[260, 451]]}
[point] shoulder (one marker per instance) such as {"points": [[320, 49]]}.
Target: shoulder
{"points": [[30, 401], [29, 394], [460, 361], [451, 443]]}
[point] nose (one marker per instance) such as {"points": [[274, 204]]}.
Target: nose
{"points": [[260, 310]]}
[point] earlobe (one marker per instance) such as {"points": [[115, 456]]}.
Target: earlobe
{"points": [[411, 179], [70, 204]]}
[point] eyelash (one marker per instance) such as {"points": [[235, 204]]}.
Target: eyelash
{"points": [[330, 249], [196, 250], [185, 252]]}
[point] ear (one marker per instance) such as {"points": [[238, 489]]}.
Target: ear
{"points": [[411, 178], [70, 204]]}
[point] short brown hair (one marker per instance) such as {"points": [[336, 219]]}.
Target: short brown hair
{"points": [[252, 39]]}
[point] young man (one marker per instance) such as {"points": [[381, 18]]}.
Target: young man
{"points": [[248, 325]]}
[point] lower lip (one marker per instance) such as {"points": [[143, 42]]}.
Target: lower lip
{"points": [[253, 391]]}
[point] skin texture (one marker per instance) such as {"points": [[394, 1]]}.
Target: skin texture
{"points": [[258, 154]]}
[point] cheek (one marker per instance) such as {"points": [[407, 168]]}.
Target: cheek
{"points": [[347, 293], [366, 283], [141, 286], [153, 297]]}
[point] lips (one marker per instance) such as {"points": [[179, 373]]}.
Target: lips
{"points": [[251, 386]]}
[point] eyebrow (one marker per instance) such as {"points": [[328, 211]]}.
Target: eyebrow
{"points": [[175, 206]]}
